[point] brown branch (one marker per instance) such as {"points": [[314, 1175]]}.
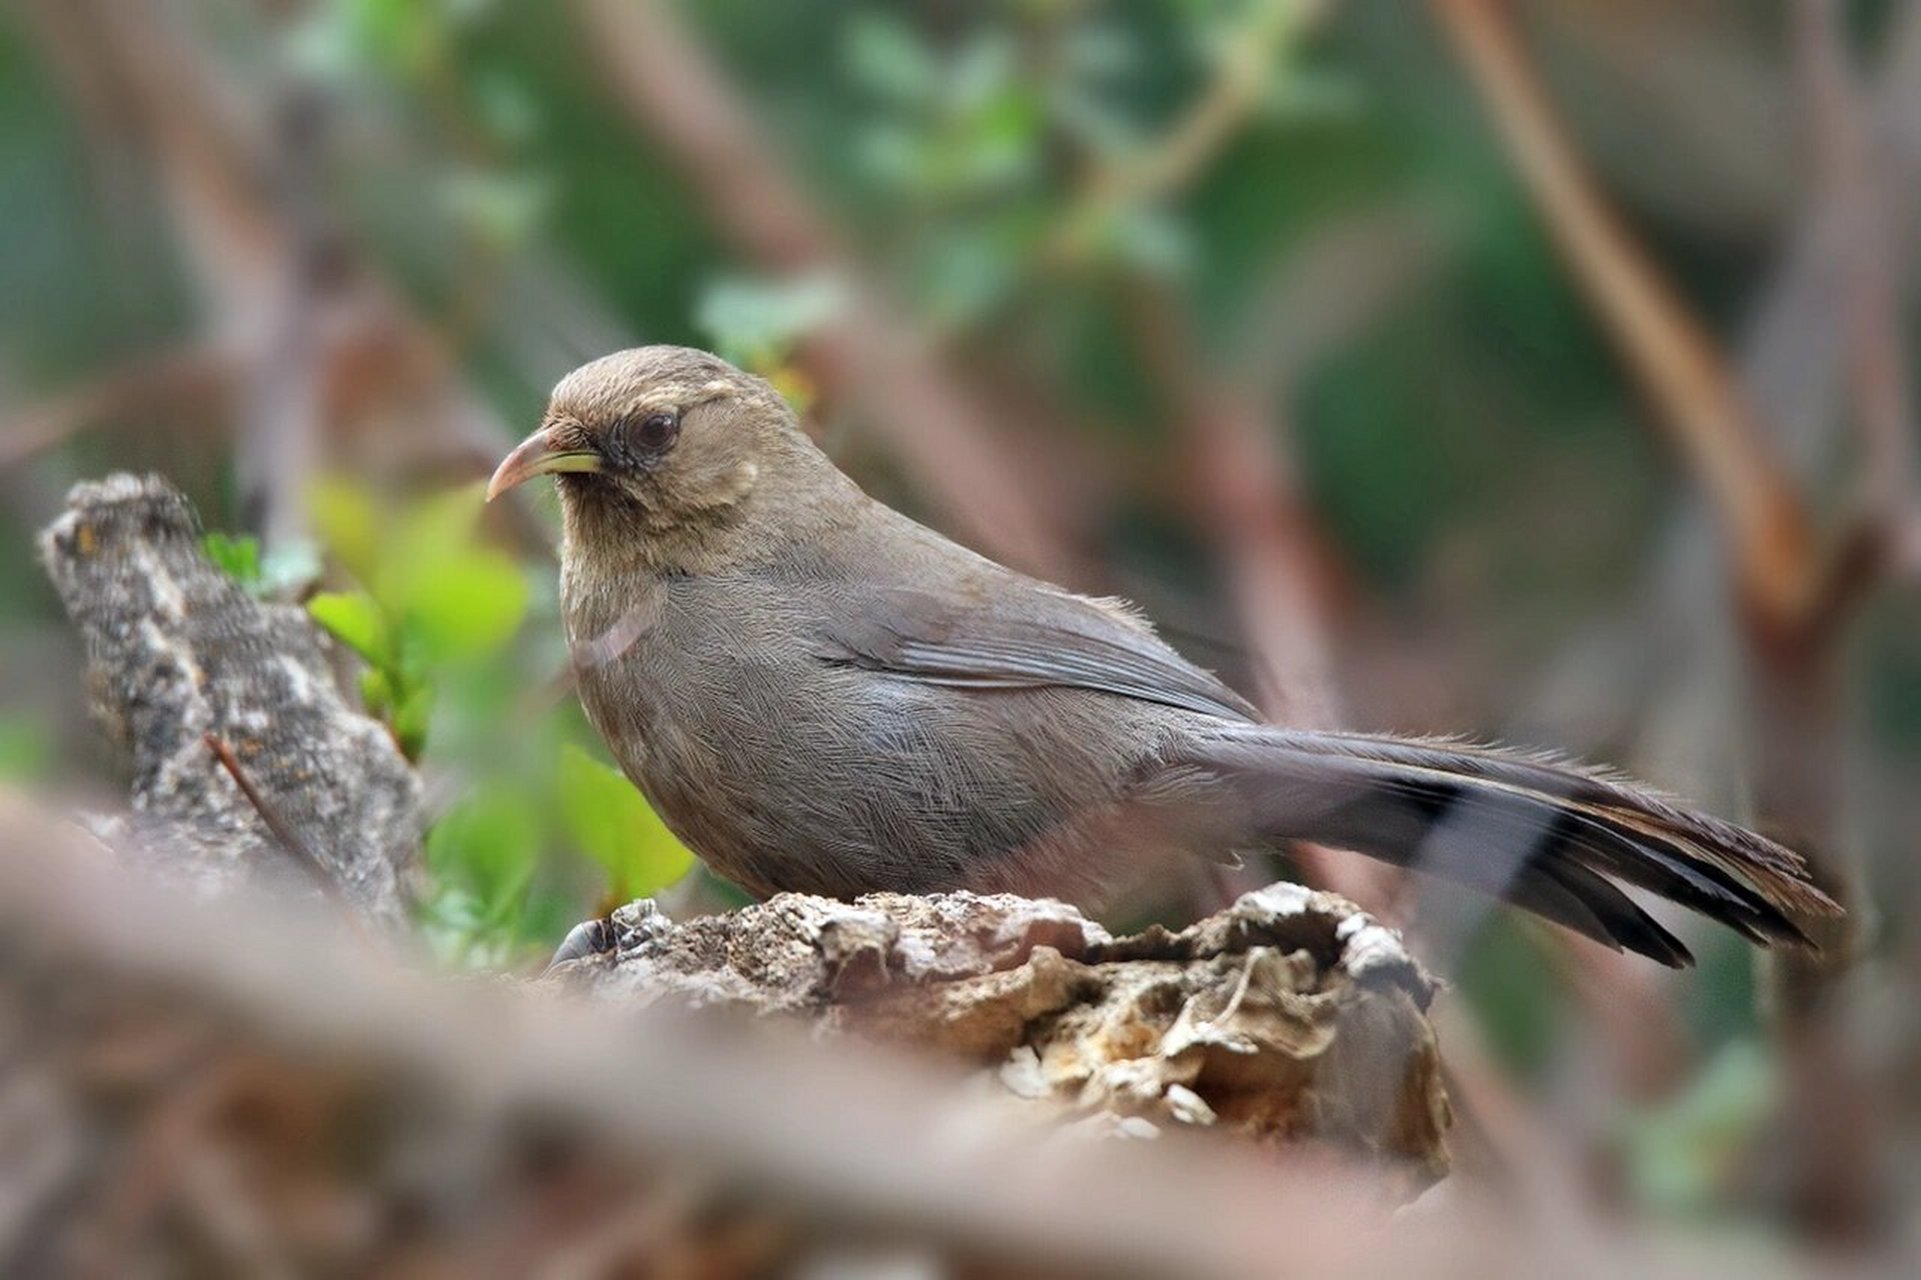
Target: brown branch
{"points": [[551, 1131], [180, 381], [1699, 402], [165, 1024]]}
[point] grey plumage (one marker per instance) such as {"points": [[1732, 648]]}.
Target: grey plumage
{"points": [[819, 694]]}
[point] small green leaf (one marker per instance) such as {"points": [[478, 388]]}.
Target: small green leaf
{"points": [[286, 569], [376, 690], [442, 525], [499, 209], [235, 554], [434, 533], [413, 710], [887, 56], [756, 322], [614, 825], [1684, 1153], [468, 607], [26, 750], [354, 619]]}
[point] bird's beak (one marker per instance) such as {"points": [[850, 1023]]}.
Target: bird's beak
{"points": [[537, 456]]}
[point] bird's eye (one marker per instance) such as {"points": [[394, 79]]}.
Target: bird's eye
{"points": [[654, 432]]}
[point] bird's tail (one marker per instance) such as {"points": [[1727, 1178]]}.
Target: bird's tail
{"points": [[1544, 834]]}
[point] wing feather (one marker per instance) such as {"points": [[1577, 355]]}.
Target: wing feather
{"points": [[1033, 639]]}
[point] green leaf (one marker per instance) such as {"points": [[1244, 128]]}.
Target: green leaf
{"points": [[442, 525], [433, 534], [357, 622], [1684, 1154], [489, 844], [469, 606], [26, 750], [756, 322], [348, 523], [235, 554], [613, 824], [499, 209]]}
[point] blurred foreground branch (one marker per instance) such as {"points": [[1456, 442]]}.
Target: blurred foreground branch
{"points": [[193, 1096]]}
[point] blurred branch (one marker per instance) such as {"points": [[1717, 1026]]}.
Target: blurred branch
{"points": [[1699, 401], [1887, 499], [1246, 495], [514, 1103], [1796, 343], [279, 437], [304, 337], [190, 383], [870, 352]]}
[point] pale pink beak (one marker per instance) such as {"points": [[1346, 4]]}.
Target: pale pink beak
{"points": [[537, 456]]}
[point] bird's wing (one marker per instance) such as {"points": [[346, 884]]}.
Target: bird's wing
{"points": [[1035, 637]]}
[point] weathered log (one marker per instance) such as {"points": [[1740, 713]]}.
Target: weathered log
{"points": [[1290, 1017]]}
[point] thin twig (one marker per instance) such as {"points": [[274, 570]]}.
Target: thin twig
{"points": [[289, 839]]}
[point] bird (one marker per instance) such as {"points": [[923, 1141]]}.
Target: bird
{"points": [[818, 694]]}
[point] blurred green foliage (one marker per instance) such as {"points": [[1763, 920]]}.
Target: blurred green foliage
{"points": [[1681, 1156], [432, 597], [611, 821]]}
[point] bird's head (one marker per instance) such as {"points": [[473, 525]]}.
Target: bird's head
{"points": [[651, 441]]}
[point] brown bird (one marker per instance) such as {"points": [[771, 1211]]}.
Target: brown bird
{"points": [[818, 694]]}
